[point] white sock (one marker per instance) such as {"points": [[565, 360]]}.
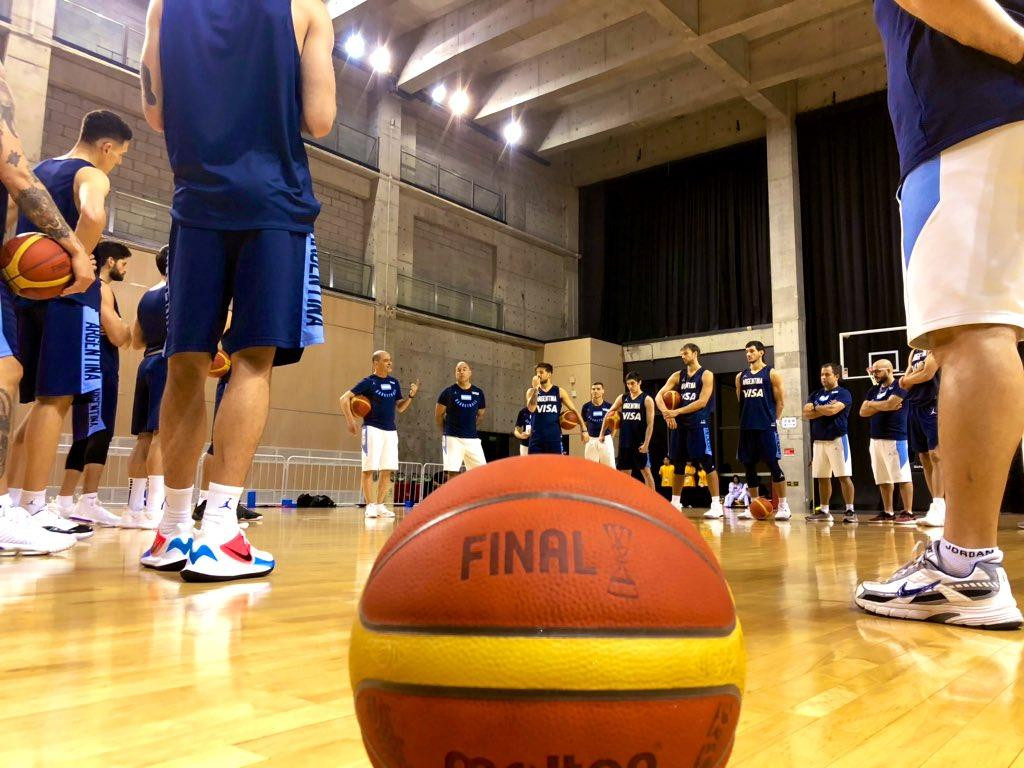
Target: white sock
{"points": [[849, 508], [203, 495], [136, 493], [65, 502], [155, 497], [783, 504], [824, 508], [90, 499], [15, 494], [222, 506], [33, 501], [5, 501], [940, 503], [960, 561], [177, 510]]}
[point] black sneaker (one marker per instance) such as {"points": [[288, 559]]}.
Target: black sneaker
{"points": [[197, 513], [819, 517], [905, 518], [246, 515], [850, 518], [881, 519]]}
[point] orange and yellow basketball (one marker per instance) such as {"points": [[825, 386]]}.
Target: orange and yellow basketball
{"points": [[220, 364], [568, 421], [613, 420], [35, 266], [761, 508], [546, 609], [672, 399], [361, 406]]}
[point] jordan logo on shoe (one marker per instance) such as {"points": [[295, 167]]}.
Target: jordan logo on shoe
{"points": [[904, 592], [238, 548]]}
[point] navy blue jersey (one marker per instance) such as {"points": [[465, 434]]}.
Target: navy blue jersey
{"points": [[461, 407], [942, 92], [232, 116], [545, 427], [384, 394], [831, 427], [757, 399], [152, 317], [110, 359], [633, 424], [523, 420], [594, 415], [690, 389], [888, 425], [925, 394]]}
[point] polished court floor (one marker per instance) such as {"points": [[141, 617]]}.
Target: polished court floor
{"points": [[104, 664]]}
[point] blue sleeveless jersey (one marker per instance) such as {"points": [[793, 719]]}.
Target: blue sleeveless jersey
{"points": [[152, 317], [757, 401], [545, 427], [233, 115], [594, 415], [942, 92], [633, 425], [690, 388], [926, 394], [110, 358]]}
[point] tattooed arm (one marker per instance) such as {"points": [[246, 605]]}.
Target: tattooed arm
{"points": [[150, 78], [31, 196]]}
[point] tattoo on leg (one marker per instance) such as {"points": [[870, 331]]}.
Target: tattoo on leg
{"points": [[147, 86], [6, 410], [38, 206]]}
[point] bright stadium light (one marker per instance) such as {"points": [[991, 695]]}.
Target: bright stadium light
{"points": [[439, 93], [380, 59], [355, 46], [459, 102], [513, 132]]}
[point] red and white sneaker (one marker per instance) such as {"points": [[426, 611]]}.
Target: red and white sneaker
{"points": [[169, 552], [223, 553]]}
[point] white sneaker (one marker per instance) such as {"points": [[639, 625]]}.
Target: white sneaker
{"points": [[140, 518], [936, 515], [745, 514], [50, 519], [371, 510], [223, 553], [20, 535], [922, 591], [783, 513], [95, 514], [715, 513], [385, 510], [169, 552]]}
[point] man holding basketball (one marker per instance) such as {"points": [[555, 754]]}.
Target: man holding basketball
{"points": [[545, 402], [696, 387], [18, 531], [459, 410], [380, 430], [599, 449], [922, 382], [636, 425], [242, 234], [759, 390], [956, 95]]}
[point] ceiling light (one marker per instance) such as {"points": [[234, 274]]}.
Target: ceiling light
{"points": [[513, 132], [459, 102], [380, 59], [355, 46], [439, 93]]}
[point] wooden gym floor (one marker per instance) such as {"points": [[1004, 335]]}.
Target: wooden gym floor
{"points": [[105, 664]]}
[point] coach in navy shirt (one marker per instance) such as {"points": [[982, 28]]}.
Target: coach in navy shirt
{"points": [[459, 409], [890, 457], [828, 410]]}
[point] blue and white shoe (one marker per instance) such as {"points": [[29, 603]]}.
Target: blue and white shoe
{"points": [[169, 552], [223, 553], [922, 591]]}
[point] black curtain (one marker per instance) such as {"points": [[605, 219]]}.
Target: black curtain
{"points": [[677, 249]]}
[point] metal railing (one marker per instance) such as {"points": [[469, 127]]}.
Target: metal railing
{"points": [[91, 31], [352, 143], [138, 220], [450, 185], [425, 296], [341, 273]]}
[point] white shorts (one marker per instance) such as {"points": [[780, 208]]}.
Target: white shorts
{"points": [[831, 458], [601, 451], [524, 450], [890, 461], [455, 450], [962, 216], [380, 449]]}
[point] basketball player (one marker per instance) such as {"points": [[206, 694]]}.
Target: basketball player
{"points": [[20, 533], [890, 457], [828, 410], [146, 464], [922, 382], [601, 450], [380, 431], [636, 424], [545, 401], [696, 387], [759, 390], [93, 415], [459, 410], [59, 339], [242, 232], [521, 430]]}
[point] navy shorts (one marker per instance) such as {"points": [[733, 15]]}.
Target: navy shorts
{"points": [[922, 428], [759, 445], [8, 323], [95, 411], [546, 446], [149, 391], [59, 345], [694, 445], [631, 460], [270, 277]]}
